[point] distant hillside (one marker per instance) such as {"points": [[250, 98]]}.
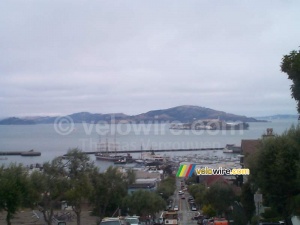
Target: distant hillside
{"points": [[182, 114], [16, 121], [188, 113], [97, 117]]}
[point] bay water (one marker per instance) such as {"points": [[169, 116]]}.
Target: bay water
{"points": [[54, 140]]}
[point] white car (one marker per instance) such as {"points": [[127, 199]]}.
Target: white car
{"points": [[132, 220], [176, 208], [180, 192], [112, 221]]}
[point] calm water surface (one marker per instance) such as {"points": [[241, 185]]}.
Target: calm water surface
{"points": [[53, 141]]}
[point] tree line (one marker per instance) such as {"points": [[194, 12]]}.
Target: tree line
{"points": [[274, 173], [76, 180]]}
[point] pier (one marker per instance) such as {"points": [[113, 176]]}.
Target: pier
{"points": [[156, 150], [21, 153], [35, 153]]}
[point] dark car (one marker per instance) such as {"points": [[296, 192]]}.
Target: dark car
{"points": [[197, 215], [199, 219], [190, 198]]}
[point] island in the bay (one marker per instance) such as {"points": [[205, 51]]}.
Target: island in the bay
{"points": [[182, 114]]}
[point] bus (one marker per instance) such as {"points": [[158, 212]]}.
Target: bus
{"points": [[169, 218]]}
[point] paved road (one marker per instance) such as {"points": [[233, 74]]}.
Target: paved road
{"points": [[185, 214]]}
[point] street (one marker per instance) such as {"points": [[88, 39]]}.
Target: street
{"points": [[185, 214]]}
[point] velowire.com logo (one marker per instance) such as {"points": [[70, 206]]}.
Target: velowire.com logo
{"points": [[187, 170]]}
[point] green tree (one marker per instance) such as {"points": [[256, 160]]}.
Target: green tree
{"points": [[208, 210], [168, 170], [78, 169], [291, 66], [170, 181], [220, 196], [238, 214], [194, 179], [50, 186], [270, 215], [144, 203], [13, 186], [247, 200], [166, 187], [131, 176], [197, 191], [109, 189], [276, 172], [296, 204]]}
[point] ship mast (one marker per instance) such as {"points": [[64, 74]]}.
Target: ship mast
{"points": [[115, 143], [106, 145]]}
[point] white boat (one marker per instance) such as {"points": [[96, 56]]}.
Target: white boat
{"points": [[231, 148], [154, 157], [227, 150]]}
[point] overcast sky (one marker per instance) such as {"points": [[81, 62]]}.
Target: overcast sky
{"points": [[60, 57]]}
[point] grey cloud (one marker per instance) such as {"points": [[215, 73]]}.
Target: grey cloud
{"points": [[120, 56]]}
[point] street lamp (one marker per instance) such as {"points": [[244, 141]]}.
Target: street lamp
{"points": [[257, 201]]}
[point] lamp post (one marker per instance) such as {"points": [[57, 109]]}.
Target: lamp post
{"points": [[257, 201]]}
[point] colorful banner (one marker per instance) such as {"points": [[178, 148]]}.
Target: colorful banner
{"points": [[186, 170]]}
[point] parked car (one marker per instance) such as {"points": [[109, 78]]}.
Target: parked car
{"points": [[194, 208], [132, 220], [180, 192], [113, 221], [190, 198], [200, 219], [198, 216]]}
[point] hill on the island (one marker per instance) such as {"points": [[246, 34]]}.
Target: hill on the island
{"points": [[188, 113], [183, 114]]}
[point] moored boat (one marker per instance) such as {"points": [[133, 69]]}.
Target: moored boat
{"points": [[125, 159], [231, 148], [107, 157], [103, 149]]}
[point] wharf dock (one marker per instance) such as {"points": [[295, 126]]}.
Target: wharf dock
{"points": [[21, 153], [156, 150]]}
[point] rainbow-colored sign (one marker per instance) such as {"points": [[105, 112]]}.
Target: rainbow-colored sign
{"points": [[186, 170]]}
